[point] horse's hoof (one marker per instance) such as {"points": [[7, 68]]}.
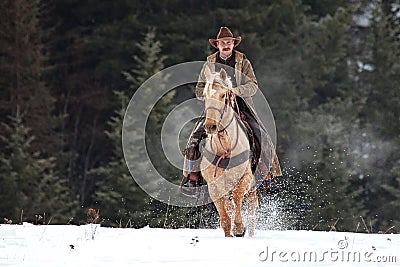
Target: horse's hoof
{"points": [[242, 234]]}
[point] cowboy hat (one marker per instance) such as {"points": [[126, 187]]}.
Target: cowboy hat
{"points": [[225, 33]]}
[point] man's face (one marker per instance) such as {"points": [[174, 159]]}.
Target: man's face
{"points": [[225, 47]]}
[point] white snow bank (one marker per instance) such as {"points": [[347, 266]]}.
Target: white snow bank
{"points": [[92, 245]]}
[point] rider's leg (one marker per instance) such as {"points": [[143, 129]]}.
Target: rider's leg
{"points": [[192, 154], [192, 174], [265, 179], [263, 151]]}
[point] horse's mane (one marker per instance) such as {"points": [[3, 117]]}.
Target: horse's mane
{"points": [[216, 78]]}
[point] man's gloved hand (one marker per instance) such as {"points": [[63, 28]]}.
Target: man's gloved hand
{"points": [[235, 90]]}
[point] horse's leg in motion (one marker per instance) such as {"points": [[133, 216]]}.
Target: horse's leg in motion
{"points": [[224, 217], [238, 227], [238, 195], [252, 204]]}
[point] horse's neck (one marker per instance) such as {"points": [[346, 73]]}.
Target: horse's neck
{"points": [[229, 139], [222, 142]]}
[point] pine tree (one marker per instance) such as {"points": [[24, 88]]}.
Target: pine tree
{"points": [[119, 197], [324, 121], [148, 63], [30, 183], [380, 77], [331, 181], [22, 64], [378, 72]]}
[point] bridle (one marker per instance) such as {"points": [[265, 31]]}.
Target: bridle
{"points": [[230, 100]]}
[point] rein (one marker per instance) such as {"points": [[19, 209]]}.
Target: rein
{"points": [[229, 97]]}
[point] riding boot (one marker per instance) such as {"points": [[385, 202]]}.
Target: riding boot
{"points": [[192, 179], [192, 155]]}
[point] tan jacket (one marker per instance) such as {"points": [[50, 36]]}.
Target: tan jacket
{"points": [[247, 85], [244, 75]]}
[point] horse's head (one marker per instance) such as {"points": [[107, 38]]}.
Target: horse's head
{"points": [[217, 94]]}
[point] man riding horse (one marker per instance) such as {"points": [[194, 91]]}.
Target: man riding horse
{"points": [[265, 163]]}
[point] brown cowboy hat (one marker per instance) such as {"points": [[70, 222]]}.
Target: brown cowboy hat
{"points": [[223, 34]]}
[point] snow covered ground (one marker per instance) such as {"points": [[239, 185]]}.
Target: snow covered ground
{"points": [[92, 245]]}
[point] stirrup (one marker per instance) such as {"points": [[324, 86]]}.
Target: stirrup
{"points": [[186, 181], [189, 191], [189, 187]]}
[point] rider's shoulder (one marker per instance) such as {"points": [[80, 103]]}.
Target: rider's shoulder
{"points": [[212, 57], [240, 56]]}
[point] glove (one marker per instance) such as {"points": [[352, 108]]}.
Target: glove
{"points": [[235, 90]]}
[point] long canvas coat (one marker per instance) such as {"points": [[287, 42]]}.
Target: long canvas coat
{"points": [[247, 85]]}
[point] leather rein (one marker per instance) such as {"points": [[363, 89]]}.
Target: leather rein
{"points": [[213, 157]]}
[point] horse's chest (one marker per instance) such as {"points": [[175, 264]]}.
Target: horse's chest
{"points": [[211, 172]]}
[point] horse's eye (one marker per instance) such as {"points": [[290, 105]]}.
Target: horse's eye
{"points": [[223, 96]]}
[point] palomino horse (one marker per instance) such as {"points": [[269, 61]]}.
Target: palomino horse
{"points": [[226, 161]]}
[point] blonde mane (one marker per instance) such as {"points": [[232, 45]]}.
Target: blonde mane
{"points": [[221, 78], [216, 78]]}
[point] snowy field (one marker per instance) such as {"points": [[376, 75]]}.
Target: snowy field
{"points": [[92, 245]]}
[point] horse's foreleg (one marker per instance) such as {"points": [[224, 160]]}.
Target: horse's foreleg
{"points": [[224, 217], [238, 195], [252, 204]]}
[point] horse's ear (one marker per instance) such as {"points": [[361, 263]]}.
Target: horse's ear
{"points": [[222, 74], [207, 73]]}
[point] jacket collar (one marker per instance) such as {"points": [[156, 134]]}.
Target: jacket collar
{"points": [[238, 57]]}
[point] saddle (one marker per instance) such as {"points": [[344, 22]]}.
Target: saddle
{"points": [[267, 185], [262, 174]]}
